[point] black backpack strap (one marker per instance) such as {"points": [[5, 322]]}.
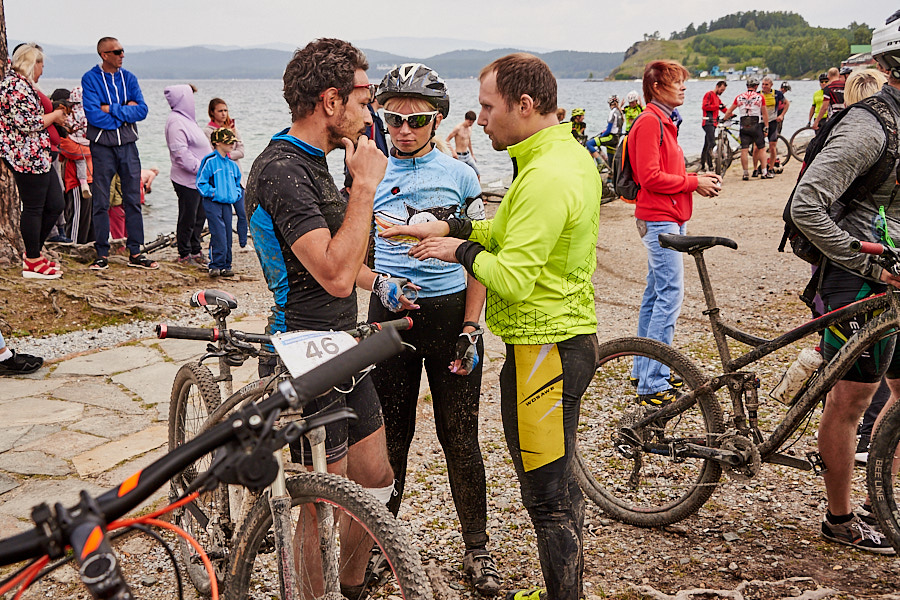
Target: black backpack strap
{"points": [[884, 166]]}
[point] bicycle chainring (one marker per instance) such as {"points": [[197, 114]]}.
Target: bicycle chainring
{"points": [[745, 447]]}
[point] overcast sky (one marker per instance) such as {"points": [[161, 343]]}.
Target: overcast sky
{"points": [[586, 25]]}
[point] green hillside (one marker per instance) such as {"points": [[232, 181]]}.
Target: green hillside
{"points": [[782, 42]]}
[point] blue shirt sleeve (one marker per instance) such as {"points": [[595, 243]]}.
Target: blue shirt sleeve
{"points": [[92, 98], [131, 113]]}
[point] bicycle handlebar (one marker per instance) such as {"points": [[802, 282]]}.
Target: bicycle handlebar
{"points": [[137, 488], [885, 256], [164, 331], [361, 331], [867, 247]]}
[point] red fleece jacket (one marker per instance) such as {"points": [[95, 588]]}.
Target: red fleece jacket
{"points": [[666, 188]]}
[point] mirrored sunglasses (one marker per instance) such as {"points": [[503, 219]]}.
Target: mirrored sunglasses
{"points": [[372, 87], [415, 120]]}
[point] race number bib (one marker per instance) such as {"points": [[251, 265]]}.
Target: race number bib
{"points": [[302, 351]]}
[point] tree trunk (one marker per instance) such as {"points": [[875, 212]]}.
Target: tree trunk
{"points": [[11, 246]]}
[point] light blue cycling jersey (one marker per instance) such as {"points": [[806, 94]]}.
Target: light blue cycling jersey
{"points": [[416, 190]]}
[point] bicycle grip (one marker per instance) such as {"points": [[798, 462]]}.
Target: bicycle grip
{"points": [[398, 324], [164, 331], [370, 351], [867, 247]]}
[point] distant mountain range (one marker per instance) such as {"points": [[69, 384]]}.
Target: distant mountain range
{"points": [[203, 62]]}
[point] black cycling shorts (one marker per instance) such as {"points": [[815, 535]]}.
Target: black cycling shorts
{"points": [[341, 435], [840, 288], [752, 135], [774, 129]]}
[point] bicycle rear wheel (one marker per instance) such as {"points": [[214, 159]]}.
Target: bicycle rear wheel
{"points": [[800, 140], [782, 150], [881, 478], [254, 568], [630, 472], [195, 395]]}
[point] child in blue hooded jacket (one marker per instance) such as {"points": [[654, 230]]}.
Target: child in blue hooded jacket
{"points": [[219, 182]]}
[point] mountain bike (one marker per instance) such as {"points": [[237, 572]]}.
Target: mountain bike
{"points": [[245, 445], [653, 466], [235, 528], [728, 146]]}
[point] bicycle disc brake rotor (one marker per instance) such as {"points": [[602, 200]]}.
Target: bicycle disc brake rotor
{"points": [[746, 448]]}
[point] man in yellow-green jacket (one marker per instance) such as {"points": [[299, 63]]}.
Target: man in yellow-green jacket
{"points": [[536, 258]]}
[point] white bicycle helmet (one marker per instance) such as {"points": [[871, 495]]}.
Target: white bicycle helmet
{"points": [[886, 45], [418, 81], [632, 97]]}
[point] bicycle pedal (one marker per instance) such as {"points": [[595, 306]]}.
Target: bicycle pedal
{"points": [[818, 465]]}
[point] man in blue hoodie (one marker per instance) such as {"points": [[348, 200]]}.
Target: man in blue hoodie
{"points": [[113, 104]]}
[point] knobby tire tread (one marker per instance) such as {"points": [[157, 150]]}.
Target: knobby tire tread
{"points": [[189, 376], [704, 487], [879, 478], [352, 498]]}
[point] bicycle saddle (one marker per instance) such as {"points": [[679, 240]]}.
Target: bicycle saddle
{"points": [[693, 243], [214, 298]]}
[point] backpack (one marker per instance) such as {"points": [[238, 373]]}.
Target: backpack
{"points": [[622, 174], [862, 186]]}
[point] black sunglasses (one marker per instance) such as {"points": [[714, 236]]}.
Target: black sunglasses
{"points": [[118, 52], [415, 120]]}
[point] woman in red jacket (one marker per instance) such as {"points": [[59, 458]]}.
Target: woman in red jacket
{"points": [[664, 204]]}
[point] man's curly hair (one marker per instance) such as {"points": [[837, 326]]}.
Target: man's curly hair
{"points": [[322, 64]]}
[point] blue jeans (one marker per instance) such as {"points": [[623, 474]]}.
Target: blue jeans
{"points": [[124, 160], [241, 214], [661, 303], [218, 216]]}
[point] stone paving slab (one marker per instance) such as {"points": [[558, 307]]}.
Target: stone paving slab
{"points": [[65, 444], [108, 362], [98, 393], [10, 526], [152, 383], [14, 388], [19, 502], [112, 426], [33, 462], [12, 436], [7, 483], [31, 433], [107, 456], [34, 411], [178, 350]]}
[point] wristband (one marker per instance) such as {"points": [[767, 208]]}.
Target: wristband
{"points": [[459, 228]]}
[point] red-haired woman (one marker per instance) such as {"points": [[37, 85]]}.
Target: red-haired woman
{"points": [[664, 205]]}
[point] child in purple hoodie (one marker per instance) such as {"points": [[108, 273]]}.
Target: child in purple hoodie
{"points": [[187, 146]]}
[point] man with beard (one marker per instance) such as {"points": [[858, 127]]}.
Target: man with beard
{"points": [[311, 243]]}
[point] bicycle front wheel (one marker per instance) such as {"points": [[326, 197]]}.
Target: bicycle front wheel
{"points": [[881, 475], [195, 395], [722, 158], [365, 532], [629, 471], [800, 140]]}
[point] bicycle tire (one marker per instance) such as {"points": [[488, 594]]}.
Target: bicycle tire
{"points": [[249, 564], [720, 160], [880, 478], [644, 489], [798, 142], [195, 394], [782, 150]]}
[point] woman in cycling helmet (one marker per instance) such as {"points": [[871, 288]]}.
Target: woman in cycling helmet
{"points": [[578, 125], [632, 109], [609, 138], [423, 184]]}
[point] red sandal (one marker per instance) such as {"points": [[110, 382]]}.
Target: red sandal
{"points": [[40, 269]]}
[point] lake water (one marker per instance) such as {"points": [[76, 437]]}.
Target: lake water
{"points": [[260, 111]]}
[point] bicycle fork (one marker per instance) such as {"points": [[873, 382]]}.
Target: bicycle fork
{"points": [[280, 505]]}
